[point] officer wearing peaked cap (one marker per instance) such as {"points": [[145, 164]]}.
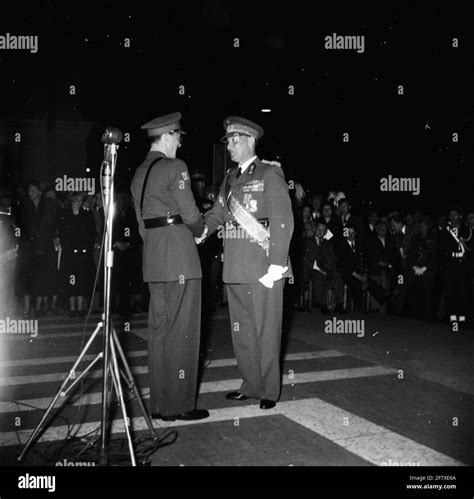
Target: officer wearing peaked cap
{"points": [[168, 218], [255, 209]]}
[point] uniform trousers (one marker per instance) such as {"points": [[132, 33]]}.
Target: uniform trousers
{"points": [[456, 287], [174, 318], [256, 320]]}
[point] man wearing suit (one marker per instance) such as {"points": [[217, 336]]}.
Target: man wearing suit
{"points": [[372, 219], [346, 216], [316, 203], [168, 218], [402, 235], [381, 258], [253, 211], [320, 268], [330, 220], [353, 266]]}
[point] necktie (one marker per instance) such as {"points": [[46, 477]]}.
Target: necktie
{"points": [[239, 172], [352, 247]]}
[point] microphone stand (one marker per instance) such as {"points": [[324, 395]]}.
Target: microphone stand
{"points": [[111, 346]]}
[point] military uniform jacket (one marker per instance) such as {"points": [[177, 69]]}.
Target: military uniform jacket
{"points": [[169, 253], [263, 191], [448, 246]]}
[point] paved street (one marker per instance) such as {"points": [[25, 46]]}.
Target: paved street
{"points": [[401, 394]]}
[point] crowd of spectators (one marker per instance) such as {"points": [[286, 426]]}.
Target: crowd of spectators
{"points": [[51, 253], [404, 263]]}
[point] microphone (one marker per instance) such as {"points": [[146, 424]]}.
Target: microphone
{"points": [[112, 135]]}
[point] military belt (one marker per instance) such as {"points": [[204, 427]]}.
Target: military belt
{"points": [[151, 223]]}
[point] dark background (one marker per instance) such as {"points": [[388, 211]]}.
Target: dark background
{"points": [[336, 91]]}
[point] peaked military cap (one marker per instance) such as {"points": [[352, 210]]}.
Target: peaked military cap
{"points": [[236, 125], [163, 124]]}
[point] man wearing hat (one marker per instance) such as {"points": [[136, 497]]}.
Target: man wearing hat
{"points": [[253, 214], [168, 219]]}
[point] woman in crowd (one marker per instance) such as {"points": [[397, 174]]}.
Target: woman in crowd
{"points": [[77, 233], [127, 269], [36, 266]]}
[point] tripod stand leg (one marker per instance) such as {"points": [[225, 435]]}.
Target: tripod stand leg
{"points": [[118, 390], [60, 392], [132, 385]]}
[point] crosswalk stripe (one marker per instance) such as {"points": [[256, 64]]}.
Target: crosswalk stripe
{"points": [[45, 378], [367, 440], [58, 360], [48, 336], [136, 325], [143, 353], [363, 438], [76, 324], [210, 387]]}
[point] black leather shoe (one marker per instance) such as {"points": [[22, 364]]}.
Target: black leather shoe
{"points": [[187, 416], [267, 404], [236, 396]]}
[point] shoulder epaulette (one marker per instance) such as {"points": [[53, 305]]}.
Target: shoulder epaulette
{"points": [[273, 163]]}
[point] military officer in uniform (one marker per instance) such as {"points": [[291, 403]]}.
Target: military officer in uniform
{"points": [[455, 264], [254, 217], [168, 219]]}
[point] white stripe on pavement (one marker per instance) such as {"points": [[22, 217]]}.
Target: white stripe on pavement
{"points": [[136, 325], [58, 360], [208, 387], [97, 373], [48, 336], [367, 440], [142, 353]]}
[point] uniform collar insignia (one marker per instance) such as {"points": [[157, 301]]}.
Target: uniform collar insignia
{"points": [[251, 168]]}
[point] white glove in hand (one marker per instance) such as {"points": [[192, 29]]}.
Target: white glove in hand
{"points": [[275, 273], [200, 239], [267, 281]]}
